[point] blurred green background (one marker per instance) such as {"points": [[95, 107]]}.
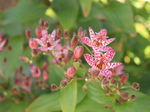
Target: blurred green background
{"points": [[126, 20]]}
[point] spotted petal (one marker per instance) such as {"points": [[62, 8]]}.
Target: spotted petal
{"points": [[109, 56], [112, 65], [89, 59], [106, 73], [39, 41], [53, 34], [87, 41], [56, 42], [109, 41], [105, 48], [43, 48], [92, 35]]}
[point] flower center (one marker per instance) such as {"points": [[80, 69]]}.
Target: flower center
{"points": [[100, 65]]}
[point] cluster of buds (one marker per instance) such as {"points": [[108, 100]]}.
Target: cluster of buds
{"points": [[99, 58]]}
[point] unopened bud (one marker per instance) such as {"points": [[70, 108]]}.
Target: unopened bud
{"points": [[66, 34], [24, 59], [45, 65], [121, 101], [69, 56], [38, 32], [71, 72], [33, 44], [46, 25], [135, 85], [9, 48], [20, 69], [14, 91], [63, 84], [133, 97], [84, 88], [58, 33], [5, 42], [124, 78], [113, 81], [79, 31], [78, 52], [34, 52], [105, 81], [4, 60], [45, 75], [125, 95], [137, 88], [28, 33], [95, 73], [54, 87], [74, 40], [41, 23], [83, 34]]}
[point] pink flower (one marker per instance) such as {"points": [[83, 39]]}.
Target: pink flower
{"points": [[36, 72], [102, 63], [98, 42], [117, 70], [33, 43], [2, 43], [47, 42]]}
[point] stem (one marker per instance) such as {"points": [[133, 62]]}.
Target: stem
{"points": [[125, 87], [99, 79], [78, 78]]}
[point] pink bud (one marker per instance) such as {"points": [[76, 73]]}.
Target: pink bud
{"points": [[78, 52], [24, 59], [58, 33], [74, 41], [63, 84], [4, 60], [46, 25], [125, 95], [113, 81], [41, 23], [28, 33], [133, 97], [95, 73], [71, 72], [34, 52], [66, 34], [36, 72], [83, 34], [5, 42], [105, 81], [124, 78], [79, 31], [38, 32], [45, 65], [33, 44], [45, 75], [9, 48], [54, 87]]}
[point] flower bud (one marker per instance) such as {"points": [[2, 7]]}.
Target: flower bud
{"points": [[71, 72], [63, 84], [95, 73], [34, 52], [4, 60], [113, 81], [133, 97], [66, 34], [46, 25], [33, 44], [124, 78], [14, 91], [84, 88], [24, 59], [36, 72], [125, 95], [45, 65], [79, 31], [137, 88], [54, 87], [135, 85], [5, 42], [83, 34], [74, 40], [45, 75], [38, 32], [20, 69], [58, 33], [9, 49], [41, 23], [121, 101], [28, 33], [78, 52], [105, 81]]}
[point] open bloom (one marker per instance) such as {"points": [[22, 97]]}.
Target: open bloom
{"points": [[36, 72], [117, 70], [47, 41], [98, 42], [102, 63]]}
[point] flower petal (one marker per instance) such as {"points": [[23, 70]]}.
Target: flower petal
{"points": [[89, 59], [109, 41], [109, 56], [53, 34], [39, 41], [92, 69], [92, 35], [112, 65], [56, 42], [105, 48], [87, 41], [106, 73], [43, 48]]}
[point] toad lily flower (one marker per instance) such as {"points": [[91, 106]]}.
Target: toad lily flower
{"points": [[98, 42], [102, 63], [47, 42]]}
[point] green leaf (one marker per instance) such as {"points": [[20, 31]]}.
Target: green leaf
{"points": [[66, 11], [46, 103], [86, 6], [68, 97], [81, 94], [10, 106], [119, 14], [24, 11], [89, 105], [96, 93], [140, 104]]}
